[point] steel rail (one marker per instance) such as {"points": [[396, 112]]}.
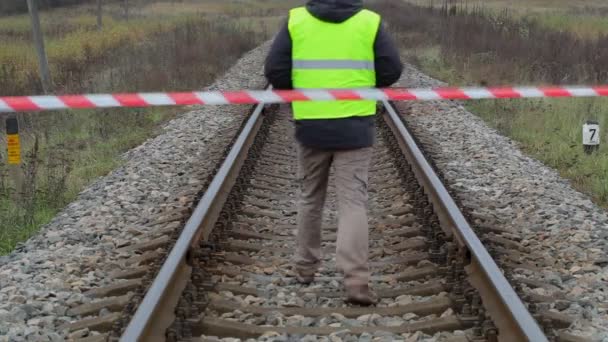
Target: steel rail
{"points": [[151, 319], [513, 320]]}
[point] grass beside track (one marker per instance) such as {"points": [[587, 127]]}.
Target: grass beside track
{"points": [[549, 130]]}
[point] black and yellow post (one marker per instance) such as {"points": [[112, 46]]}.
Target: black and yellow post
{"points": [[13, 143]]}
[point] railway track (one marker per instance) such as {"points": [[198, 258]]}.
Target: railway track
{"points": [[229, 273]]}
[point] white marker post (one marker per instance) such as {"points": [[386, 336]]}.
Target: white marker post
{"points": [[591, 136]]}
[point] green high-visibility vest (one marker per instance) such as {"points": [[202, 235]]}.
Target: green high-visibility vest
{"points": [[334, 56]]}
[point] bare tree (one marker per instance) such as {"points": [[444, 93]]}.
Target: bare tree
{"points": [[126, 6]]}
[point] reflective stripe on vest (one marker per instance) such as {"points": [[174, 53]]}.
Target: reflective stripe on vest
{"points": [[335, 56], [333, 64]]}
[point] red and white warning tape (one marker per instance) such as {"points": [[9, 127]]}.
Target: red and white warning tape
{"points": [[43, 103]]}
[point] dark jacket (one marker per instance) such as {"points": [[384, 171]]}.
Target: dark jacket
{"points": [[349, 133]]}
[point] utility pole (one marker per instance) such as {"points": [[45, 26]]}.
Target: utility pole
{"points": [[126, 4], [99, 22], [39, 42]]}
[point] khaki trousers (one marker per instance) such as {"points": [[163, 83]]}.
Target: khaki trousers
{"points": [[351, 168]]}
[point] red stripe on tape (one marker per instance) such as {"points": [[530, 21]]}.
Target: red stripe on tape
{"points": [[239, 97], [77, 101], [21, 103], [292, 96], [602, 90], [345, 95], [130, 100], [185, 99], [555, 92], [452, 94], [399, 94], [504, 93]]}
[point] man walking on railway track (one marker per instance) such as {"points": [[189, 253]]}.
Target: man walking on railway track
{"points": [[334, 44]]}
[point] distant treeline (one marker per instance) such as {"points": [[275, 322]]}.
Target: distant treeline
{"points": [[8, 7]]}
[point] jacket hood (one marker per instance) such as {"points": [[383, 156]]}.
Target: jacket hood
{"points": [[334, 11]]}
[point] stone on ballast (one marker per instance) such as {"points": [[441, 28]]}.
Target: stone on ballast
{"points": [[409, 316], [368, 317], [17, 299], [390, 321], [448, 312]]}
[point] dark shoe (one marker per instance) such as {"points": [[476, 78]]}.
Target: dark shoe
{"points": [[304, 277], [361, 295]]}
